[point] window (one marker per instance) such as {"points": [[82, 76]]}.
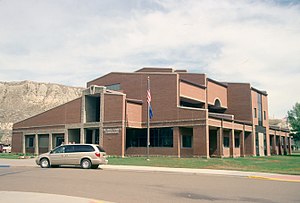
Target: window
{"points": [[30, 142], [265, 116], [59, 150], [159, 137], [186, 141], [59, 141], [255, 113], [100, 149], [226, 142], [83, 148], [259, 104], [115, 87], [237, 142], [43, 141]]}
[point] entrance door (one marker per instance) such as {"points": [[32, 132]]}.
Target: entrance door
{"points": [[213, 143]]}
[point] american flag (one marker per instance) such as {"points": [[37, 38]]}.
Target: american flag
{"points": [[149, 103], [148, 96]]}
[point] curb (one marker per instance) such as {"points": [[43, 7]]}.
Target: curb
{"points": [[274, 179]]}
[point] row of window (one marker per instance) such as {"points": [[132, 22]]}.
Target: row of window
{"points": [[159, 137], [255, 114], [227, 144]]}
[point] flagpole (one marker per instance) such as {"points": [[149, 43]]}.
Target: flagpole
{"points": [[148, 120]]}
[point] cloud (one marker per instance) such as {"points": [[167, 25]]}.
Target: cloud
{"points": [[71, 42]]}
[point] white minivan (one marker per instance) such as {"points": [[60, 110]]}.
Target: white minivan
{"points": [[85, 155]]}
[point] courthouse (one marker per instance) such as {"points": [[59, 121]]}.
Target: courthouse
{"points": [[193, 116]]}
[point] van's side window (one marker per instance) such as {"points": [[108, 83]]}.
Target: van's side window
{"points": [[59, 150], [84, 148]]}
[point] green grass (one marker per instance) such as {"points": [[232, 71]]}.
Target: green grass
{"points": [[273, 164], [13, 155]]}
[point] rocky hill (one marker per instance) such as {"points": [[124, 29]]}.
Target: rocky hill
{"points": [[21, 100]]}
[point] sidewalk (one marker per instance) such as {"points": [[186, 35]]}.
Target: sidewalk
{"points": [[253, 175], [34, 197]]}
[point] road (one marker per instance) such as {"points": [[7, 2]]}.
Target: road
{"points": [[134, 186]]}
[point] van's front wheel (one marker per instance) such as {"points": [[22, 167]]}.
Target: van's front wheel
{"points": [[44, 163], [86, 164]]}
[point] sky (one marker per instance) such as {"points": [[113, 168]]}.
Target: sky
{"points": [[71, 42]]}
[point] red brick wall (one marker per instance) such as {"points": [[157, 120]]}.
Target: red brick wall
{"points": [[216, 91], [65, 114], [134, 85], [134, 115], [114, 107], [196, 78], [17, 142], [191, 91], [239, 101]]}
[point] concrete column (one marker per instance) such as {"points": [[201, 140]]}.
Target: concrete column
{"points": [[177, 140], [274, 151], [24, 144], [268, 143], [280, 146], [201, 141], [242, 146], [231, 142], [290, 145], [50, 142], [36, 144], [220, 142], [101, 141], [82, 140], [253, 144], [66, 136], [83, 113], [285, 145], [93, 136]]}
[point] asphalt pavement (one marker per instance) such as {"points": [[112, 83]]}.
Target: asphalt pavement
{"points": [[14, 196], [256, 175]]}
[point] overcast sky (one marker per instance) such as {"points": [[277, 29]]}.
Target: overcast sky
{"points": [[72, 42]]}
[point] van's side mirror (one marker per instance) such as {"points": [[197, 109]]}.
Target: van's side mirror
{"points": [[51, 151]]}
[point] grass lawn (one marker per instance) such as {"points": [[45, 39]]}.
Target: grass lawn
{"points": [[13, 155], [273, 164]]}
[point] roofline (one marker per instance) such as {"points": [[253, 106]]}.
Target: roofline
{"points": [[46, 111], [259, 91], [216, 82], [191, 83], [134, 73], [135, 101]]}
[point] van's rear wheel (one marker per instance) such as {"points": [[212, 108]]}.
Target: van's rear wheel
{"points": [[86, 164], [44, 163]]}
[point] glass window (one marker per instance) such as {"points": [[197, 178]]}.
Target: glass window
{"points": [[115, 87], [265, 116], [259, 104], [59, 150], [100, 149], [159, 137], [83, 148], [30, 142], [237, 142], [43, 141], [186, 141], [69, 149], [226, 142], [255, 113]]}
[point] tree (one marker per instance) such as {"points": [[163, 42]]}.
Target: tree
{"points": [[294, 120]]}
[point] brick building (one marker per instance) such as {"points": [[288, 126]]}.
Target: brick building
{"points": [[193, 116]]}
